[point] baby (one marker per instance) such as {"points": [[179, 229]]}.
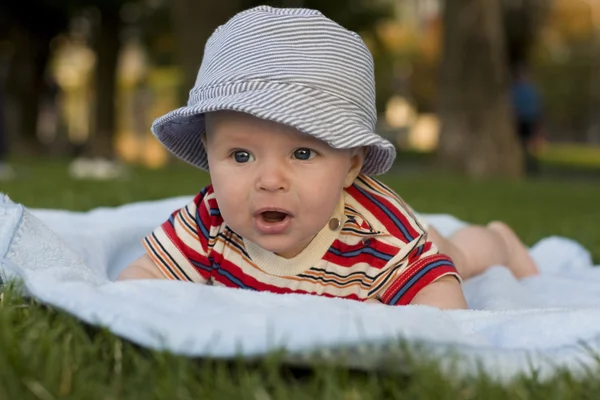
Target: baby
{"points": [[283, 117]]}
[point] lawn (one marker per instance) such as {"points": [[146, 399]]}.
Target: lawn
{"points": [[46, 354]]}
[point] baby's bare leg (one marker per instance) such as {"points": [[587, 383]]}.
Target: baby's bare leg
{"points": [[476, 248]]}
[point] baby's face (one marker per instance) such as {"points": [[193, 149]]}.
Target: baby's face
{"points": [[274, 185]]}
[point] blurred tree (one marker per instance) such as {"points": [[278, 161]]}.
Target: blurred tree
{"points": [[31, 34], [522, 22], [29, 26], [565, 66], [106, 44], [193, 23], [477, 134], [105, 40], [155, 27]]}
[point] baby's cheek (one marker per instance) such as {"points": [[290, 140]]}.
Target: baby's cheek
{"points": [[321, 204], [235, 219], [230, 204]]}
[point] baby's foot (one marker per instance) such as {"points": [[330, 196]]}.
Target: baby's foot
{"points": [[519, 261]]}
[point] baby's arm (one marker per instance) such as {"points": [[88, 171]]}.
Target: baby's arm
{"points": [[445, 293], [142, 268], [178, 248], [424, 277]]}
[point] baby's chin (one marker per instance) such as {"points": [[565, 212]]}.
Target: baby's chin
{"points": [[280, 246], [283, 251]]}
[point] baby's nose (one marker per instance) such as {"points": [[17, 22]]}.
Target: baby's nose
{"points": [[273, 178]]}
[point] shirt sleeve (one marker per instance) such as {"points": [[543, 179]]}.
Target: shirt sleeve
{"points": [[422, 266], [180, 246]]}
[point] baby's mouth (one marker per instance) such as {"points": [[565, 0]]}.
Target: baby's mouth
{"points": [[271, 221], [273, 216]]}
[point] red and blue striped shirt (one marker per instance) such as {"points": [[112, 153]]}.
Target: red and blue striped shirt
{"points": [[381, 251]]}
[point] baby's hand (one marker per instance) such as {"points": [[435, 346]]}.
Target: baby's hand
{"points": [[142, 268]]}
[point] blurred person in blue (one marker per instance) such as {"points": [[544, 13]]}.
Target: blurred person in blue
{"points": [[527, 110]]}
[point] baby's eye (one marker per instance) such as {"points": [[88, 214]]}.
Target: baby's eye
{"points": [[242, 156], [304, 154]]}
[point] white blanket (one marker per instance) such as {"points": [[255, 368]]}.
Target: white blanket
{"points": [[532, 327]]}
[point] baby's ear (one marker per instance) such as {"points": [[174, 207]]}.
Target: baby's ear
{"points": [[357, 159]]}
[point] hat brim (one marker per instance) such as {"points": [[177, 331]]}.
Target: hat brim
{"points": [[328, 119]]}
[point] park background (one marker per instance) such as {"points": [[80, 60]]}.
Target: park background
{"points": [[85, 79], [82, 80]]}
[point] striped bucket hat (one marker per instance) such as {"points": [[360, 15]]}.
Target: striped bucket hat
{"points": [[293, 66]]}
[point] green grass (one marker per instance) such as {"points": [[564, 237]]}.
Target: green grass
{"points": [[554, 158], [571, 154], [47, 354]]}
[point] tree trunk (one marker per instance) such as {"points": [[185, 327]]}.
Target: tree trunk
{"points": [[194, 21], [107, 46], [522, 23], [477, 135], [25, 86]]}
